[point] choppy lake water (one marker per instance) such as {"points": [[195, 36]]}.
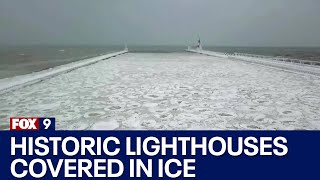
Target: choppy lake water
{"points": [[23, 60]]}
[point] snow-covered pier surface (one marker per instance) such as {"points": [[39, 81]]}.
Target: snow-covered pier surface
{"points": [[304, 66], [9, 84], [171, 91]]}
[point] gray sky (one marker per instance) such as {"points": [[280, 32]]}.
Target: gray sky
{"points": [[161, 22]]}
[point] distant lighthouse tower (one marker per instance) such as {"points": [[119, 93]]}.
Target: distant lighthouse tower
{"points": [[199, 46]]}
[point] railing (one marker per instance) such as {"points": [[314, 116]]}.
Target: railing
{"points": [[283, 59], [297, 65]]}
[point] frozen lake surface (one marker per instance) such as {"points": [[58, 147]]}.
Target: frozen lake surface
{"points": [[171, 91]]}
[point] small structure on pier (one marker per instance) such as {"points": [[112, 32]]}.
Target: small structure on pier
{"points": [[199, 46], [196, 47]]}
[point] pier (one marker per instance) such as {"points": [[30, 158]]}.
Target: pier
{"points": [[197, 89], [293, 65], [185, 90]]}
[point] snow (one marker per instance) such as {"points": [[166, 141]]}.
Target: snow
{"points": [[9, 84], [171, 91]]}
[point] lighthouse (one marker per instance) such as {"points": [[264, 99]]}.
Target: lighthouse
{"points": [[199, 46]]}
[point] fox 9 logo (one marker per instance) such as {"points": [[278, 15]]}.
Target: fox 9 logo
{"points": [[32, 123]]}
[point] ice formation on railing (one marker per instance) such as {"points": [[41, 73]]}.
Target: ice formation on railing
{"points": [[304, 66]]}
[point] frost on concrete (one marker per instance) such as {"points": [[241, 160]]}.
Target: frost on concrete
{"points": [[171, 91]]}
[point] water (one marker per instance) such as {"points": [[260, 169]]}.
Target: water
{"points": [[157, 49], [23, 60]]}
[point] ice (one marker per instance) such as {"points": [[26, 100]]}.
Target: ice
{"points": [[171, 91], [105, 125]]}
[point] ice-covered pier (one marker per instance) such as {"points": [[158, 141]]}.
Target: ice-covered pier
{"points": [[9, 84], [173, 91], [295, 65]]}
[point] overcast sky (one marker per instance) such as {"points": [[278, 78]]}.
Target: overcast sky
{"points": [[160, 22]]}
